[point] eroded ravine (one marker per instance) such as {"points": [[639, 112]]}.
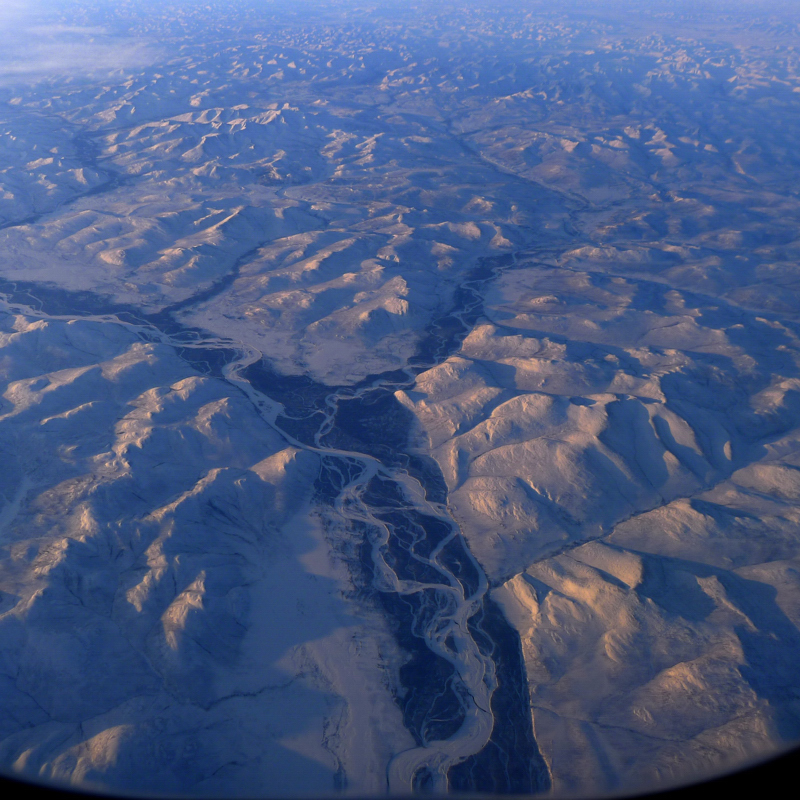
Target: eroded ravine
{"points": [[464, 694]]}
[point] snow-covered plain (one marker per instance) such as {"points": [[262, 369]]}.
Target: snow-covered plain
{"points": [[398, 398]]}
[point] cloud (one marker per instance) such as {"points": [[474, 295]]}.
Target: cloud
{"points": [[33, 46]]}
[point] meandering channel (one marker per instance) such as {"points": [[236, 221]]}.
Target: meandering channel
{"points": [[465, 698]]}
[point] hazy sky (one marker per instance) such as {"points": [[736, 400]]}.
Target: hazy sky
{"points": [[34, 43]]}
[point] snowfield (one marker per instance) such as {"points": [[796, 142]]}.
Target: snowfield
{"points": [[398, 399]]}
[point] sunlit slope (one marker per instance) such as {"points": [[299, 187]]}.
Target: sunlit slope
{"points": [[561, 242], [325, 231], [166, 597], [344, 180], [43, 165], [660, 426]]}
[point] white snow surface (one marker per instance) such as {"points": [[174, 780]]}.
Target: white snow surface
{"points": [[617, 426]]}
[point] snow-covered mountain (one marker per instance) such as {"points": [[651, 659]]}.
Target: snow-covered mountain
{"points": [[397, 398]]}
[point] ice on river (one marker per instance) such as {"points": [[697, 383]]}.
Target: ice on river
{"points": [[397, 399]]}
